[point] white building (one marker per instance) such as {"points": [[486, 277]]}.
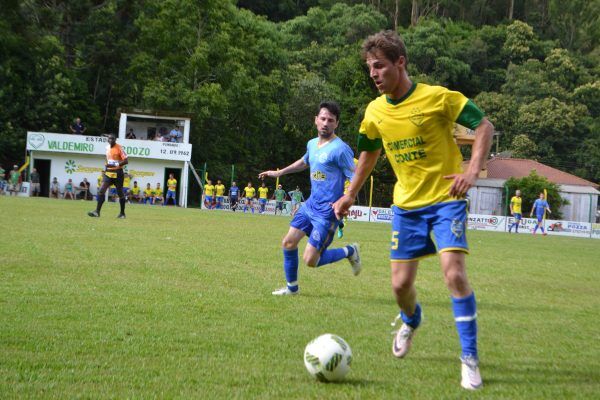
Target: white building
{"points": [[68, 156]]}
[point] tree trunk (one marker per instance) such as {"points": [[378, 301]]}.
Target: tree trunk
{"points": [[511, 9], [414, 14], [396, 15]]}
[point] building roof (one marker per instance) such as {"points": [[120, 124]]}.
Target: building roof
{"points": [[505, 168]]}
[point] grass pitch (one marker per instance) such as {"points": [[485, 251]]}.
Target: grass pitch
{"points": [[176, 303]]}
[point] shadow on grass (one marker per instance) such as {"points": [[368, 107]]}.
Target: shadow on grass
{"points": [[538, 372]]}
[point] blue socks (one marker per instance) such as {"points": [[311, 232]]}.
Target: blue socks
{"points": [[465, 316], [413, 321], [290, 267], [333, 255]]}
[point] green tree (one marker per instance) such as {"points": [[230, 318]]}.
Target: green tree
{"points": [[531, 186]]}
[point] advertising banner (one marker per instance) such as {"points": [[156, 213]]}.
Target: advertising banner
{"points": [[526, 225], [486, 222], [568, 228], [596, 231], [96, 145], [382, 215]]}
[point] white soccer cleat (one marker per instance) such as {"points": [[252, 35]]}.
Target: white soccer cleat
{"points": [[402, 341], [354, 259], [471, 378], [284, 291]]}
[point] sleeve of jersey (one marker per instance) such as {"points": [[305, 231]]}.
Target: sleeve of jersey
{"points": [[347, 163], [123, 154], [369, 138], [470, 116]]}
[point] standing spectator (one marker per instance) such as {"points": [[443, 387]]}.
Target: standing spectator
{"points": [[69, 190], [263, 192], [148, 195], [297, 198], [220, 191], [14, 180], [135, 192], [54, 188], [84, 190], [234, 195], [130, 134], [34, 179], [279, 195], [171, 190], [77, 128], [126, 184], [2, 179], [158, 194]]}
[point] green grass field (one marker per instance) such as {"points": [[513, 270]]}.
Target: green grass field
{"points": [[176, 303]]}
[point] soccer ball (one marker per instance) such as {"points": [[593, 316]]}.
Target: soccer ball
{"points": [[328, 358]]}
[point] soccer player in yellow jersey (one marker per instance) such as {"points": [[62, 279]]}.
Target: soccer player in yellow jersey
{"points": [[209, 193], [135, 192], [148, 195], [413, 123], [158, 194], [515, 210], [249, 193], [263, 192], [171, 190], [220, 191]]}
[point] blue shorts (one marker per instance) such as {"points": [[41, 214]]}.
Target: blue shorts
{"points": [[320, 231], [411, 230], [219, 199], [262, 201], [540, 217], [208, 199], [518, 216], [171, 193]]}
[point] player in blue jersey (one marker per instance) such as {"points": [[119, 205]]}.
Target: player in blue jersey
{"points": [[540, 206], [331, 162], [234, 196]]}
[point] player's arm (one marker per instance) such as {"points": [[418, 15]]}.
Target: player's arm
{"points": [[366, 163], [480, 150], [296, 166]]}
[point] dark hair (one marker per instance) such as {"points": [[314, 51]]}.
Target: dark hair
{"points": [[388, 42], [332, 107]]}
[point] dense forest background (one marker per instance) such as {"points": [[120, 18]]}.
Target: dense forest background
{"points": [[251, 72]]}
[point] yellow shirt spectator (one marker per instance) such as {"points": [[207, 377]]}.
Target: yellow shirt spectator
{"points": [[220, 189], [249, 191], [262, 192], [209, 190]]}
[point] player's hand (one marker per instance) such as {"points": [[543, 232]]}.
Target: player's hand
{"points": [[462, 183], [341, 207], [270, 174]]}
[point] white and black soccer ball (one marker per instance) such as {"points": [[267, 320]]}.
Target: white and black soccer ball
{"points": [[328, 358]]}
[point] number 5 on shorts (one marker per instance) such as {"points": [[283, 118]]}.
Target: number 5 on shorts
{"points": [[395, 240]]}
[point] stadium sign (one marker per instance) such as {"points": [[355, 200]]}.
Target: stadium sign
{"points": [[568, 228], [486, 222], [96, 145]]}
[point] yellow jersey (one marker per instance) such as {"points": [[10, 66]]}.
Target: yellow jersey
{"points": [[157, 192], [220, 189], [172, 184], [416, 134], [262, 192], [209, 190], [148, 192], [249, 191], [135, 190], [126, 181], [516, 204]]}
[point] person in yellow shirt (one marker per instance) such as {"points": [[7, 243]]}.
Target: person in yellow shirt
{"points": [[135, 192], [171, 190], [263, 192], [126, 183], [515, 210], [209, 193], [249, 193], [220, 193], [148, 195], [158, 194], [413, 123]]}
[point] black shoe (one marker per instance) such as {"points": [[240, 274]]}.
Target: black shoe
{"points": [[94, 214], [121, 216]]}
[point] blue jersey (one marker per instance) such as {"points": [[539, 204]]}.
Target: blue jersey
{"points": [[540, 205], [234, 191], [330, 166]]}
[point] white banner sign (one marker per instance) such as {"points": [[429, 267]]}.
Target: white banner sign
{"points": [[486, 222], [568, 228], [63, 143], [596, 231]]}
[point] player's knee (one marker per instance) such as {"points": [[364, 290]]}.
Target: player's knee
{"points": [[456, 278], [288, 244], [310, 261], [401, 285]]}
